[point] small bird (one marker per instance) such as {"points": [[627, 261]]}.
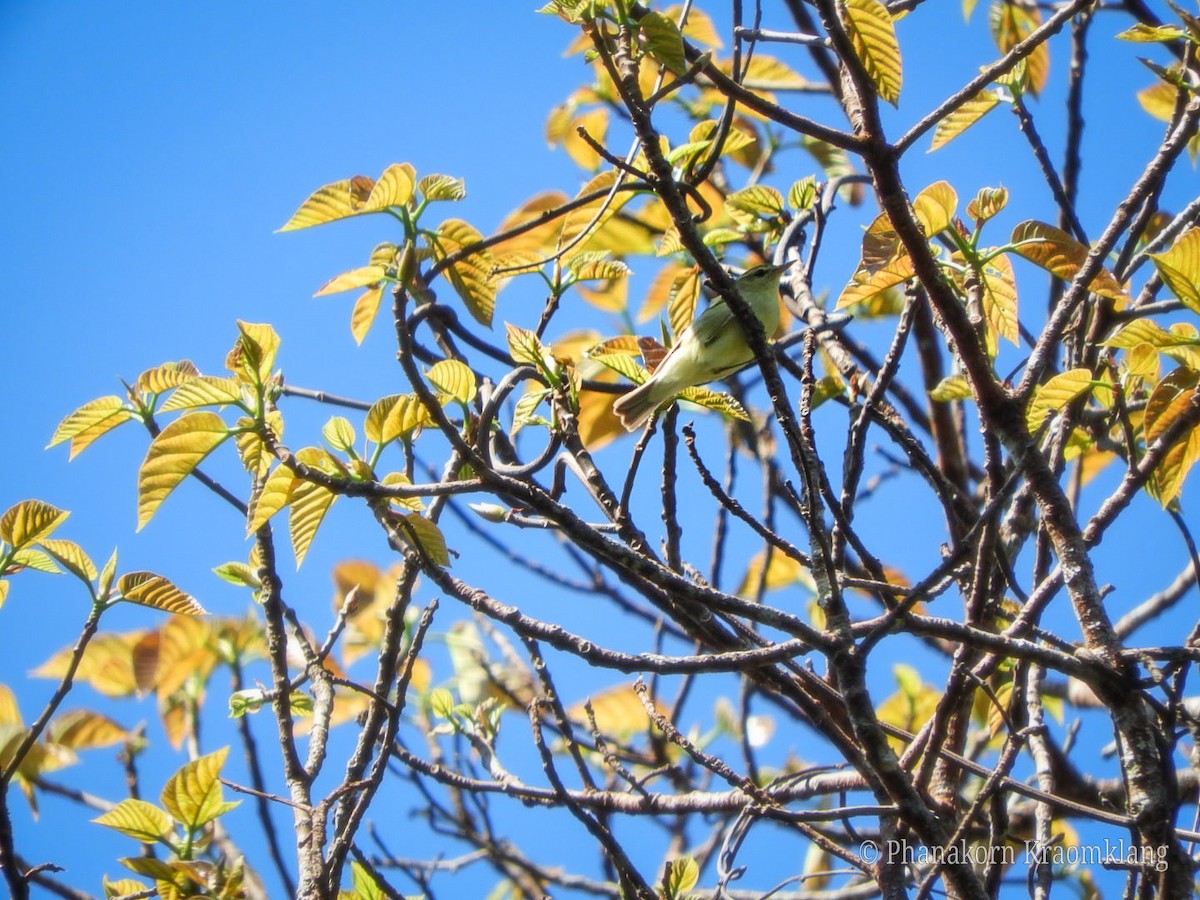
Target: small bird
{"points": [[712, 347]]}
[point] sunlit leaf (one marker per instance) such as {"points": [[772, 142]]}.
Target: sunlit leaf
{"points": [[682, 298], [394, 188], [338, 200], [138, 819], [364, 276], [662, 39], [1011, 22], [193, 795], [935, 207], [911, 706], [366, 308], [395, 416], [1062, 256], [1055, 394], [309, 502], [681, 875], [90, 421], [1180, 268], [206, 390], [595, 123], [759, 200], [173, 455], [873, 37], [524, 345], [781, 571], [148, 589], [1000, 300], [1141, 33], [30, 521], [442, 187], [962, 118], [71, 556], [952, 387], [718, 402], [253, 355], [861, 289], [987, 203], [424, 536], [1169, 400], [454, 380], [83, 729], [471, 276]]}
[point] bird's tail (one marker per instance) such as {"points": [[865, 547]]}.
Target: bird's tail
{"points": [[638, 405]]}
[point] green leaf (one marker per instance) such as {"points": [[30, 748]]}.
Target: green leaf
{"points": [[32, 558], [30, 521], [1141, 33], [238, 573], [454, 380], [1062, 256], [173, 455], [873, 37], [760, 200], [148, 589], [338, 200], [194, 795], [139, 820], [471, 276], [1055, 394], [662, 39]]}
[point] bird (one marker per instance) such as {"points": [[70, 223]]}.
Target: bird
{"points": [[712, 347]]}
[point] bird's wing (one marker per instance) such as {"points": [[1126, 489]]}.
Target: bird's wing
{"points": [[713, 322]]}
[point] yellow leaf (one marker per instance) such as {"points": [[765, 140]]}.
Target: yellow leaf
{"points": [[253, 355], [364, 276], [873, 37], [524, 345], [1000, 300], [782, 571], [137, 819], [681, 875], [861, 289], [911, 706], [163, 378], [952, 387], [425, 537], [595, 123], [107, 664], [767, 73], [71, 556], [366, 308], [1159, 100], [617, 710], [539, 238], [339, 200], [1055, 394], [3, 592], [193, 795], [1168, 401], [10, 713], [454, 380], [759, 200], [987, 203], [682, 298], [90, 421], [1011, 22], [718, 402], [699, 27], [394, 188], [1180, 268], [207, 390], [1062, 256], [309, 503], [472, 276], [963, 118], [395, 416], [166, 659], [172, 456], [935, 207], [82, 729], [442, 187], [30, 521], [610, 296], [148, 589]]}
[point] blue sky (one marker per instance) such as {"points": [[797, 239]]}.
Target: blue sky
{"points": [[151, 153]]}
